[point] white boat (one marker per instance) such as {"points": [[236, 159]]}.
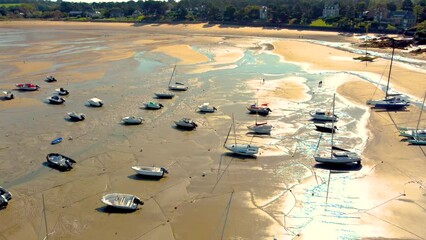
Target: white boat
{"points": [[75, 116], [263, 109], [177, 86], [62, 91], [153, 105], [55, 100], [8, 95], [132, 120], [121, 201], [391, 101], [418, 135], [5, 197], [260, 128], [164, 95], [417, 141], [50, 79], [27, 86], [96, 102], [342, 156], [206, 108], [238, 148], [326, 116], [150, 171], [186, 123]]}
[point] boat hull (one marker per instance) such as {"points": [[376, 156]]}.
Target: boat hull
{"points": [[149, 171], [60, 161], [337, 159], [121, 201], [164, 95], [260, 129], [243, 149]]}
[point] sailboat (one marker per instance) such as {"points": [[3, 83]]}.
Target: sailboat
{"points": [[391, 101], [339, 155], [419, 135], [239, 148], [366, 57], [415, 132], [177, 86], [260, 127]]}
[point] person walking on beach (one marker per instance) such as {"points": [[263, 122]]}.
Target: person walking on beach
{"points": [[320, 84]]}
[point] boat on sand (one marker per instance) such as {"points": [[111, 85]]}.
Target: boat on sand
{"points": [[150, 171], [122, 201]]}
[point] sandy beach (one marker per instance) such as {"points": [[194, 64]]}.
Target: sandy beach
{"points": [[208, 193]]}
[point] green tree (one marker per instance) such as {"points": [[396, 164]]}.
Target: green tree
{"points": [[407, 5], [229, 14]]}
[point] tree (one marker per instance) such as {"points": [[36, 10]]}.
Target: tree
{"points": [[407, 5], [229, 14], [391, 6]]}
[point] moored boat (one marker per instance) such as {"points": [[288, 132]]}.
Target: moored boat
{"points": [[5, 197], [122, 201], [55, 100], [56, 141], [95, 102], [263, 109], [150, 171], [242, 149], [132, 120], [27, 86], [75, 116], [326, 116], [59, 161], [164, 95], [326, 128], [153, 105], [8, 95], [260, 128], [206, 108], [62, 91], [50, 79], [186, 123]]}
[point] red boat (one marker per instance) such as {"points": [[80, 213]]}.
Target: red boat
{"points": [[263, 109], [27, 86]]}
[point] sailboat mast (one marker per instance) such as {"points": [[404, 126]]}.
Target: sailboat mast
{"points": [[390, 70], [45, 219], [171, 77], [235, 135], [420, 116], [332, 127]]}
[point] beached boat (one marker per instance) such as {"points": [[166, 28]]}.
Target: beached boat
{"points": [[342, 156], [59, 161], [326, 128], [56, 141], [150, 171], [55, 100], [391, 101], [50, 79], [238, 148], [121, 201], [417, 141], [27, 87], [5, 197], [206, 108], [62, 91], [417, 134], [95, 102], [260, 128], [177, 86], [8, 95], [186, 123], [164, 95], [263, 109], [153, 105], [75, 116], [132, 120], [326, 116]]}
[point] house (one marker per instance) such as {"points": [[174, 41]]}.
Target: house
{"points": [[402, 19], [263, 13], [331, 10]]}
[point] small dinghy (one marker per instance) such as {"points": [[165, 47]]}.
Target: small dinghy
{"points": [[206, 108], [62, 91], [164, 95], [132, 120], [95, 102], [55, 100], [326, 128], [27, 87], [8, 95], [50, 79], [178, 87], [75, 116], [121, 201], [150, 171], [60, 161], [260, 128], [56, 141], [263, 109], [5, 197], [153, 105], [186, 123], [320, 115]]}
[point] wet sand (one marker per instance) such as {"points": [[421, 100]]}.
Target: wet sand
{"points": [[280, 190]]}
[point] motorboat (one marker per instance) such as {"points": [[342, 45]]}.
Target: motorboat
{"points": [[132, 120], [55, 100], [60, 162], [121, 201], [150, 171], [62, 91], [263, 109], [56, 141], [320, 115], [75, 116], [177, 86], [5, 197], [153, 105], [186, 123], [414, 133], [417, 141], [8, 95], [326, 128], [243, 149], [260, 128], [96, 102], [27, 87], [50, 79], [164, 95], [206, 108]]}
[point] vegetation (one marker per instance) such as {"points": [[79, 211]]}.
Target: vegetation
{"points": [[379, 15]]}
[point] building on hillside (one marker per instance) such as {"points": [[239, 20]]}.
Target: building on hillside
{"points": [[331, 10], [402, 19], [263, 13]]}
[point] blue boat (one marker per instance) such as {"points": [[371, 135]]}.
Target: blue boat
{"points": [[56, 141]]}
